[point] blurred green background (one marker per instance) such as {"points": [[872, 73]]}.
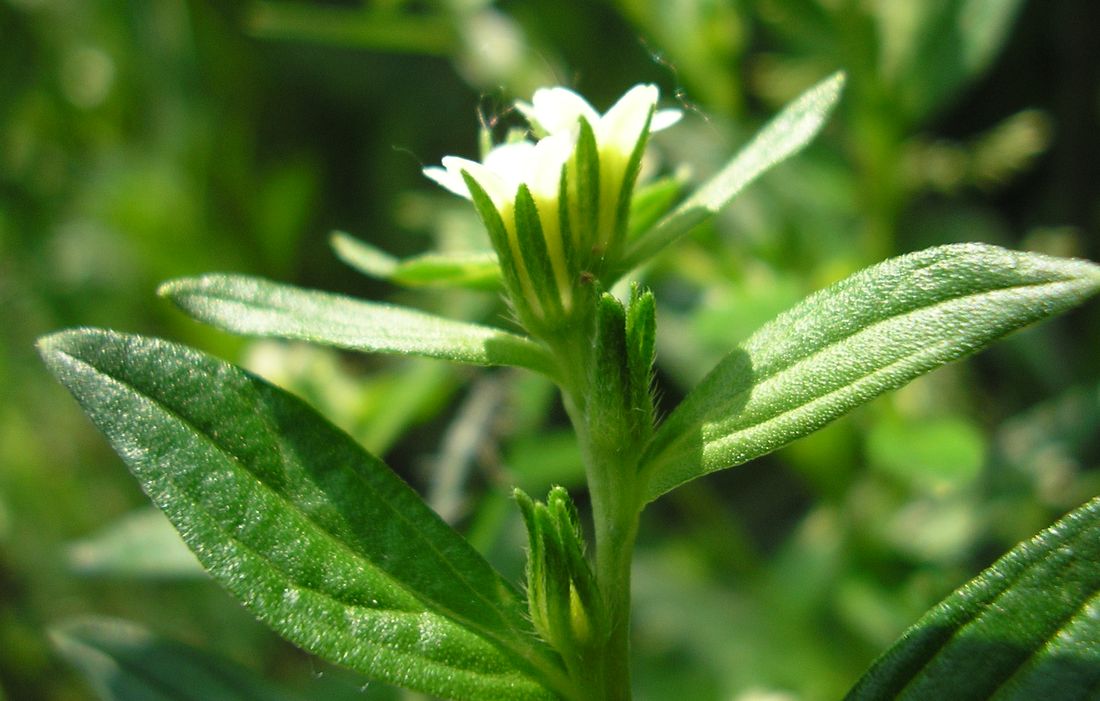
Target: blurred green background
{"points": [[141, 141]]}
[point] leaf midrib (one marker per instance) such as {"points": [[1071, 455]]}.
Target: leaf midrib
{"points": [[859, 380]]}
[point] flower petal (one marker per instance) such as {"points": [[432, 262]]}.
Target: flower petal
{"points": [[663, 119], [622, 126], [548, 157], [498, 190], [450, 179], [558, 109]]}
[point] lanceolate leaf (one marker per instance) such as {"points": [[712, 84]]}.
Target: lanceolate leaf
{"points": [[123, 662], [872, 332], [254, 306], [471, 269], [1026, 628], [319, 538], [782, 137]]}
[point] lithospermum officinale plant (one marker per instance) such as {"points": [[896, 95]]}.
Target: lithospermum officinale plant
{"points": [[323, 542]]}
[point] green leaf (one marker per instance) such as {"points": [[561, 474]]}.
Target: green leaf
{"points": [[317, 537], [140, 544], [254, 306], [782, 137], [477, 270], [1024, 629], [367, 28], [932, 49], [124, 662], [651, 202], [870, 333]]}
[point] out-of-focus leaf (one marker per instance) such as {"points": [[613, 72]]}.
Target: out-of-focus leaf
{"points": [[870, 333], [378, 30], [317, 537], [1026, 628], [780, 138], [944, 451], [933, 48], [474, 270], [140, 544], [254, 306], [123, 662], [651, 202], [542, 461]]}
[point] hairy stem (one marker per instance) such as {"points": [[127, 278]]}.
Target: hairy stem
{"points": [[611, 467]]}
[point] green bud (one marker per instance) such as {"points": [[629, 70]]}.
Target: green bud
{"points": [[562, 597]]}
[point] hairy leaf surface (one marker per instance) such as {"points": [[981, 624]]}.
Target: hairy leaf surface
{"points": [[1026, 628], [469, 269], [316, 536], [253, 306], [785, 135], [867, 334]]}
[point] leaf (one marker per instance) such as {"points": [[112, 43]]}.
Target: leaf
{"points": [[786, 134], [249, 305], [317, 537], [140, 544], [931, 50], [376, 30], [870, 333], [124, 662], [477, 270], [1026, 628]]}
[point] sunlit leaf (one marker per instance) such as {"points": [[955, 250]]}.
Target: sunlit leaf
{"points": [[867, 334], [1026, 628], [473, 270], [780, 138], [258, 307], [317, 537]]}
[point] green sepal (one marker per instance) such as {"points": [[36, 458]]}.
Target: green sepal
{"points": [[536, 258], [556, 580], [587, 624], [567, 226], [626, 189], [641, 336], [498, 236], [608, 403], [536, 563], [588, 192]]}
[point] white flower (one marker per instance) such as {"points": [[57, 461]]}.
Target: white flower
{"points": [[574, 238], [558, 110], [506, 167]]}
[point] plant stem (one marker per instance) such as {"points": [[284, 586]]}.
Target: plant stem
{"points": [[616, 522], [613, 482]]}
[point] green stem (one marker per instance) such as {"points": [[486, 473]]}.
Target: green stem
{"points": [[616, 522], [616, 505]]}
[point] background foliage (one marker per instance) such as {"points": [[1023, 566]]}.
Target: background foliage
{"points": [[140, 142]]}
